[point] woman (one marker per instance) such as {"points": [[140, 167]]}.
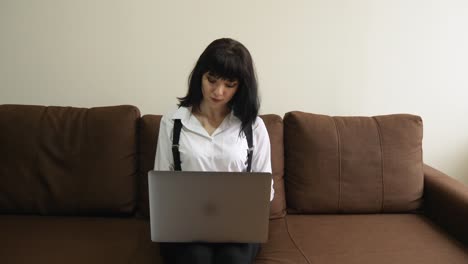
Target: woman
{"points": [[215, 119]]}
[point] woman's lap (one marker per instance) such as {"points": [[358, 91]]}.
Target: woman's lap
{"points": [[225, 253], [235, 253]]}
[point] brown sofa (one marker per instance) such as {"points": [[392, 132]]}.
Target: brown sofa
{"points": [[347, 189]]}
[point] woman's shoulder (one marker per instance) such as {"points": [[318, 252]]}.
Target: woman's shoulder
{"points": [[256, 123], [174, 113], [259, 124], [168, 118]]}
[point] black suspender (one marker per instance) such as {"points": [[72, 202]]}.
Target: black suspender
{"points": [[175, 145]]}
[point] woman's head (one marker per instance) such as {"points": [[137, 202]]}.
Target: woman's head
{"points": [[225, 61]]}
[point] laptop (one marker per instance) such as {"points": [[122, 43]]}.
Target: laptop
{"points": [[209, 206]]}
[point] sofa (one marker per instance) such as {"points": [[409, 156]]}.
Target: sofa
{"points": [[347, 189]]}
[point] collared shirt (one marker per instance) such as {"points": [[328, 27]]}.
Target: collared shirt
{"points": [[223, 150]]}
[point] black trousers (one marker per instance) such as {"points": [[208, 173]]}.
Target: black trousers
{"points": [[206, 253]]}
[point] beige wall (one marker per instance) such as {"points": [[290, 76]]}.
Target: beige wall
{"points": [[335, 57]]}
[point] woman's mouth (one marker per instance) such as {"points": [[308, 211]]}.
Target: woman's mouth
{"points": [[217, 100]]}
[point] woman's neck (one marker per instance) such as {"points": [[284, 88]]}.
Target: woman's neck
{"points": [[213, 113]]}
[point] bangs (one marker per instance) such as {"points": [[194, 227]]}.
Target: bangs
{"points": [[226, 66]]}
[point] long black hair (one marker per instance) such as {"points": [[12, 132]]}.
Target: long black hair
{"points": [[228, 59]]}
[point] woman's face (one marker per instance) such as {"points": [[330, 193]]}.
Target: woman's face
{"points": [[217, 92]]}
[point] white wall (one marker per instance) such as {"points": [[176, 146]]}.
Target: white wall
{"points": [[335, 57]]}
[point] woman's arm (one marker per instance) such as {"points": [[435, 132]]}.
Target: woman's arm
{"points": [[261, 160], [164, 160]]}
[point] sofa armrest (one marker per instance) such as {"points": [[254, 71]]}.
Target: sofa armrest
{"points": [[446, 202]]}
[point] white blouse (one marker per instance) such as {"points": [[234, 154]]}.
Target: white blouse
{"points": [[224, 150]]}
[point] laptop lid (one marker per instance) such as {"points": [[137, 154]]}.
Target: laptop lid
{"points": [[209, 206]]}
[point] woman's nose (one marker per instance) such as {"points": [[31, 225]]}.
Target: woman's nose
{"points": [[219, 89]]}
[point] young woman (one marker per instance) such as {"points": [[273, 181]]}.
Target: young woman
{"points": [[215, 118]]}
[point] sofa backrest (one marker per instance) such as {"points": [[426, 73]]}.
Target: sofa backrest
{"points": [[64, 160], [149, 130], [353, 164]]}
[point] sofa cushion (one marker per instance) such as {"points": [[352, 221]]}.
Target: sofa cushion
{"points": [[64, 160], [353, 164], [149, 131], [274, 125], [49, 239], [374, 238], [279, 248]]}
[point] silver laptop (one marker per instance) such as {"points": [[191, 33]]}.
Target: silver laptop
{"points": [[209, 206]]}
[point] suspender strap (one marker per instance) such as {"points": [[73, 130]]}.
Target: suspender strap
{"points": [[248, 134], [175, 144]]}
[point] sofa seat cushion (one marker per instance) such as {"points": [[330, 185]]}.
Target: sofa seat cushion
{"points": [[47, 239], [279, 248], [377, 238]]}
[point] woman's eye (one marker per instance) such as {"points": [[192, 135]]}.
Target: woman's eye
{"points": [[231, 85], [211, 80]]}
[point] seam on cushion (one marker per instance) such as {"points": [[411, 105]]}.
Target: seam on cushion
{"points": [[382, 162], [294, 242], [339, 163]]}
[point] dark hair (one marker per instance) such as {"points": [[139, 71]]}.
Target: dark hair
{"points": [[226, 59]]}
